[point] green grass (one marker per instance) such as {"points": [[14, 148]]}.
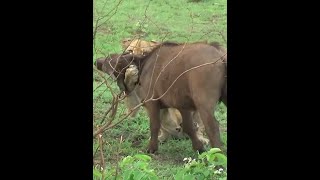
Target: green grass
{"points": [[178, 20]]}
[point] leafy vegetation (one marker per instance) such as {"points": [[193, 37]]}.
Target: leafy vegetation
{"points": [[137, 167]]}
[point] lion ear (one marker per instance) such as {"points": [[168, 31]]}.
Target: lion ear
{"points": [[125, 40], [153, 42]]}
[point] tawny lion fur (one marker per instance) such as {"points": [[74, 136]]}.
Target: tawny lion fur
{"points": [[138, 46]]}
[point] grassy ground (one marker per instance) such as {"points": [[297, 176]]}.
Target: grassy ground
{"points": [[178, 20]]}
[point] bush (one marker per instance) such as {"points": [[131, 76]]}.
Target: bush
{"points": [[209, 165], [206, 167], [131, 168]]}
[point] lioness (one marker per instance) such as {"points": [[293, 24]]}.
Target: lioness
{"points": [[138, 46]]}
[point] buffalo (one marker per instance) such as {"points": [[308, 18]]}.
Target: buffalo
{"points": [[187, 76]]}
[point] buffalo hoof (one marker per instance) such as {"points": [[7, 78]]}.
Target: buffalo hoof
{"points": [[201, 151], [151, 151]]}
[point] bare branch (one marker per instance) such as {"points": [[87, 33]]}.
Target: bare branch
{"points": [[103, 165], [223, 37], [108, 126], [105, 80], [115, 9], [117, 168], [184, 45]]}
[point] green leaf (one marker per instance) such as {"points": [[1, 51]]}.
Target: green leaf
{"points": [[140, 165], [127, 160], [97, 173], [211, 157], [203, 155], [222, 160], [179, 175], [206, 173], [127, 174], [143, 157], [138, 175], [189, 177], [214, 150]]}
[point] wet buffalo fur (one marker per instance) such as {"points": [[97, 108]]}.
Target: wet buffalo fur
{"points": [[198, 89], [170, 118]]}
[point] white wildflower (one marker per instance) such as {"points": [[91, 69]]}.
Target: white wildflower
{"points": [[187, 159]]}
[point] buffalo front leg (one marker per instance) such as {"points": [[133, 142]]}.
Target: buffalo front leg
{"points": [[188, 127], [154, 116]]}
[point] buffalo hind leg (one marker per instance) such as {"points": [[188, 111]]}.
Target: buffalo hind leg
{"points": [[224, 95], [205, 107], [188, 127], [154, 116]]}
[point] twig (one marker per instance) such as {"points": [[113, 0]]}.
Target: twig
{"points": [[107, 112], [223, 37], [108, 126], [100, 18], [95, 152], [114, 101], [98, 86], [101, 155], [115, 107], [191, 16], [166, 66], [99, 96], [118, 152], [105, 80]]}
